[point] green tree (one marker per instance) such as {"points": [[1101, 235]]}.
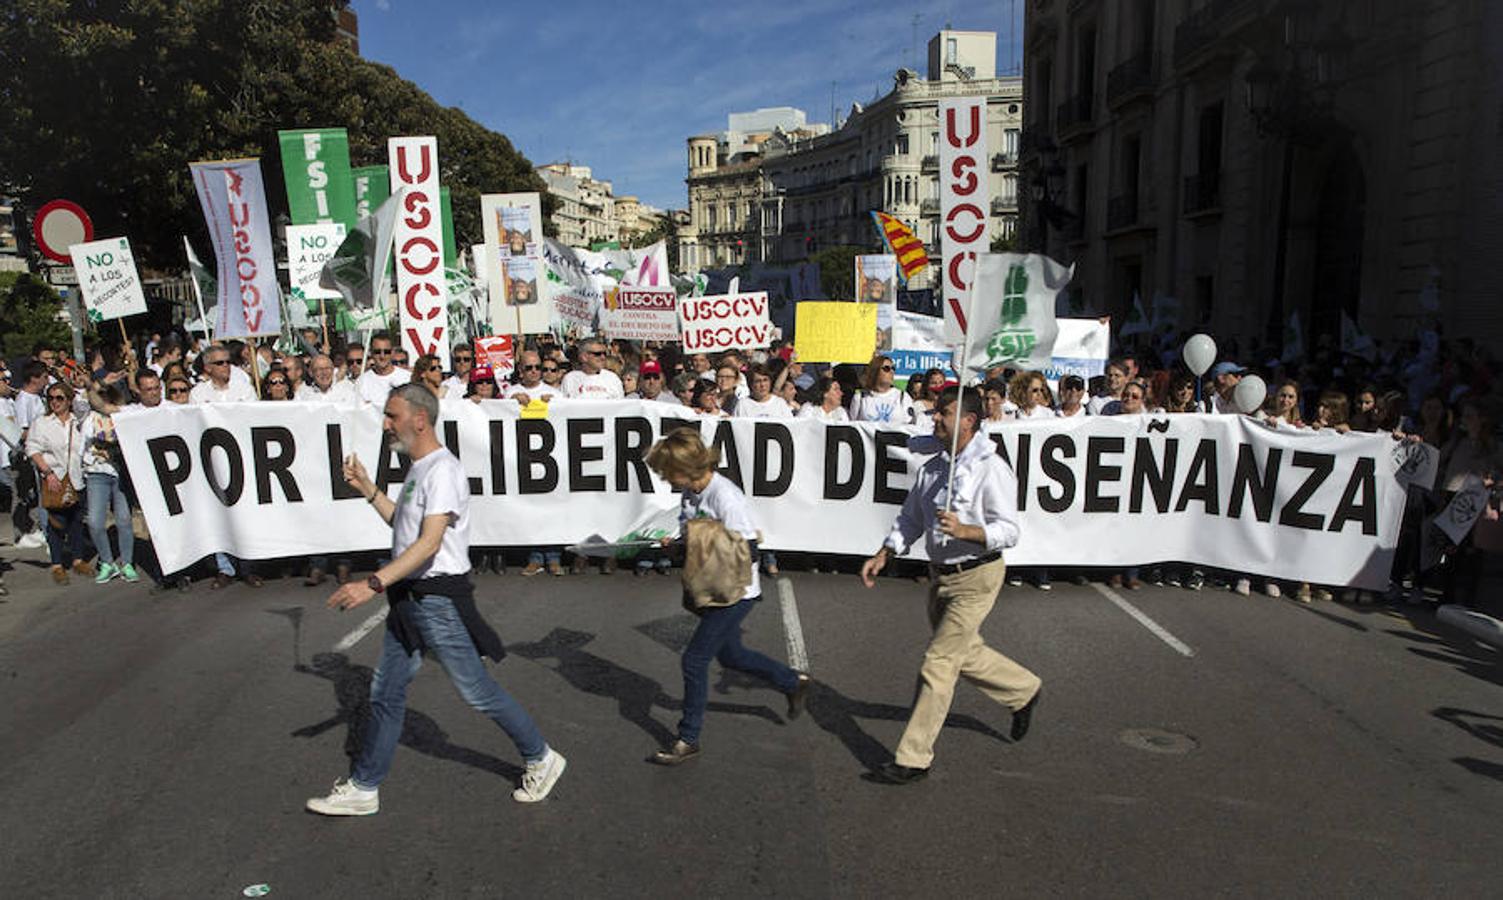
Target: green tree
{"points": [[108, 101], [30, 312], [837, 271], [662, 231]]}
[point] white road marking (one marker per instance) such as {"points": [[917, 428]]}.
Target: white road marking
{"points": [[1158, 630], [798, 655], [354, 637]]}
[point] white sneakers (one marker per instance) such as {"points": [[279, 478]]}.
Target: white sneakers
{"points": [[346, 800], [31, 540], [540, 777]]}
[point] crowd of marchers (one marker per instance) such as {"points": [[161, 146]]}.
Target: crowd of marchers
{"points": [[66, 486]]}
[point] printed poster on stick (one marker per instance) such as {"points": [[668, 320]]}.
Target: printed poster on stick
{"points": [[725, 322], [641, 314], [877, 284], [108, 280], [512, 226], [835, 331], [308, 248]]}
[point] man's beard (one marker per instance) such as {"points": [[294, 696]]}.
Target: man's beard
{"points": [[398, 446]]}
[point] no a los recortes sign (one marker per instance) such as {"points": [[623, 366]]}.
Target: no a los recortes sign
{"points": [[725, 322]]}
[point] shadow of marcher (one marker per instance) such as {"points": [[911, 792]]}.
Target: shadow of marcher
{"points": [[1449, 645], [636, 695], [352, 687], [836, 713], [293, 614]]}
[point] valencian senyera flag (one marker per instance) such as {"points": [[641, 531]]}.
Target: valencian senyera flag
{"points": [[904, 245]]}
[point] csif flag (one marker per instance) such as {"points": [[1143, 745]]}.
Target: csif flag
{"points": [[900, 239], [1011, 316], [358, 269]]}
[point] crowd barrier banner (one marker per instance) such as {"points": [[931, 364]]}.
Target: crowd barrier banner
{"points": [[262, 480]]}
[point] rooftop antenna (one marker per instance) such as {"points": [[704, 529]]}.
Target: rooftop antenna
{"points": [[833, 125], [913, 46]]}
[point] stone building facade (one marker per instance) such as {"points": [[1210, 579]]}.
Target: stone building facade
{"points": [[1262, 159]]}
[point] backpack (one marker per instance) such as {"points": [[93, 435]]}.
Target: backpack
{"points": [[717, 564]]}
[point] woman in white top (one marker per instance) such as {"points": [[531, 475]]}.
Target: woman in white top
{"points": [[878, 400], [761, 403], [1029, 392], [100, 449], [999, 410], [706, 400], [683, 460], [55, 445], [825, 402]]}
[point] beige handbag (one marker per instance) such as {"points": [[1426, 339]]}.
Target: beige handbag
{"points": [[717, 564]]}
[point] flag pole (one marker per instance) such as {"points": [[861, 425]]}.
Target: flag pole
{"points": [[198, 295], [965, 354]]}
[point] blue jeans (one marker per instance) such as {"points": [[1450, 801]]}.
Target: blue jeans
{"points": [[719, 637], [445, 637], [65, 530], [539, 557], [104, 491], [224, 564]]}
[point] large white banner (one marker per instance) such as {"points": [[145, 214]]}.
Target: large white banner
{"points": [[233, 200], [262, 480], [422, 295], [1011, 311], [963, 199]]}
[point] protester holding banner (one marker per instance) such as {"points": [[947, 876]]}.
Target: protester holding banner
{"points": [[592, 380], [432, 608], [55, 446], [683, 460], [707, 400], [462, 358], [967, 519], [106, 489], [1282, 407], [1029, 392], [761, 403], [878, 400], [383, 375], [482, 384], [529, 385], [1071, 397], [1471, 457], [277, 386], [651, 375]]}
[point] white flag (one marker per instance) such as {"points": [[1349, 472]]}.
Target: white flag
{"points": [[358, 269], [1011, 314], [233, 199]]}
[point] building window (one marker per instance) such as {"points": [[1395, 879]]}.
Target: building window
{"points": [[901, 146], [950, 51], [1010, 190], [1010, 143]]}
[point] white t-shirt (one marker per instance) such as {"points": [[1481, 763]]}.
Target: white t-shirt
{"points": [[455, 387], [375, 388], [234, 391], [663, 396], [539, 391], [1038, 412], [724, 501], [815, 411], [435, 486], [1079, 411], [889, 407], [774, 407], [603, 385], [1095, 405], [29, 408], [340, 391]]}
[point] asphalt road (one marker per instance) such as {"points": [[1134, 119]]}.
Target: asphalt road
{"points": [[163, 745]]}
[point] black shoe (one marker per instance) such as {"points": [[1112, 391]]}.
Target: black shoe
{"points": [[678, 752], [1024, 717], [798, 696], [892, 773]]}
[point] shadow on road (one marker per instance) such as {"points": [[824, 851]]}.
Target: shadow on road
{"points": [[636, 695], [352, 686], [836, 713], [1482, 726], [293, 614]]}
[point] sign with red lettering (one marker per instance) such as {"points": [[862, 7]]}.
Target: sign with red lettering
{"points": [[641, 314], [422, 296], [498, 352], [963, 202], [725, 322], [233, 199]]}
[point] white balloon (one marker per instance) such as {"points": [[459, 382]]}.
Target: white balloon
{"points": [[1200, 354], [1250, 393]]}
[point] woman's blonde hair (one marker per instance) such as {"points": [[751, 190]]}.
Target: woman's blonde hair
{"points": [[682, 452], [1018, 389]]}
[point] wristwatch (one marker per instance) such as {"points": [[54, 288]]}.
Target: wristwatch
{"points": [[375, 584]]}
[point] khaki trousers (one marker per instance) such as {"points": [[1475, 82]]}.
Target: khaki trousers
{"points": [[958, 604]]}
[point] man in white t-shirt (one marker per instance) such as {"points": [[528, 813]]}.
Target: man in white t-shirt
{"points": [[590, 381], [457, 385], [529, 385], [382, 375], [221, 387], [326, 388], [432, 608]]}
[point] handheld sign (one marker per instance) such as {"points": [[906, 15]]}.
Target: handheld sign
{"points": [[108, 280]]}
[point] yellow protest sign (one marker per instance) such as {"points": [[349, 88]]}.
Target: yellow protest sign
{"points": [[835, 332]]}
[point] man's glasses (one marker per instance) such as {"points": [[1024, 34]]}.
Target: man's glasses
{"points": [[174, 392], [355, 360], [57, 398], [550, 369], [217, 362], [529, 367], [651, 375], [592, 353], [377, 351], [458, 358]]}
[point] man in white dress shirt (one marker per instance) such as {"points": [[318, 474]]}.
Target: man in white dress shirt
{"points": [[965, 539]]}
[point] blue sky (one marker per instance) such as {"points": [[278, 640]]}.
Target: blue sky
{"points": [[619, 86]]}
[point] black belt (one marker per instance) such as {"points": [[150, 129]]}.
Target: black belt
{"points": [[967, 565]]}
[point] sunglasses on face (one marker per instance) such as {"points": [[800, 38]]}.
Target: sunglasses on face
{"points": [[173, 392], [275, 382], [887, 368], [458, 358], [550, 368], [529, 367], [217, 362], [651, 375], [355, 360], [376, 351]]}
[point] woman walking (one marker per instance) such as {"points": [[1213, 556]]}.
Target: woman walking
{"points": [[105, 491], [55, 446], [683, 460]]}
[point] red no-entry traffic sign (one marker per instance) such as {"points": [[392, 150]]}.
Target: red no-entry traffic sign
{"points": [[59, 225]]}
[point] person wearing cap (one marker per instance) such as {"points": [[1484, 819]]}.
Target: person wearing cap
{"points": [[482, 384], [1071, 395], [530, 385], [651, 380], [1225, 375], [966, 526]]}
